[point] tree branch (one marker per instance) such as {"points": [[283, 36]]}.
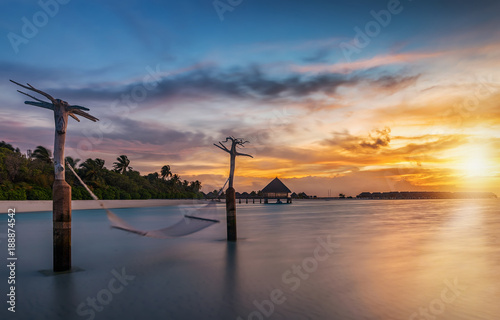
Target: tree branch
{"points": [[74, 117], [71, 108], [30, 87], [222, 148], [31, 96], [45, 105], [243, 154], [84, 114]]}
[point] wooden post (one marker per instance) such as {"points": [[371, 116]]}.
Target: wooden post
{"points": [[231, 214], [61, 197], [61, 191], [61, 217]]}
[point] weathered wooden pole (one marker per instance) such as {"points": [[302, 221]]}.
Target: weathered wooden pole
{"points": [[230, 193], [232, 233], [61, 197], [61, 191]]}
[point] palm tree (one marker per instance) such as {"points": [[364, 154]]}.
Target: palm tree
{"points": [[153, 176], [122, 164], [72, 161], [92, 169], [195, 186], [6, 145], [43, 154], [175, 179], [165, 172]]}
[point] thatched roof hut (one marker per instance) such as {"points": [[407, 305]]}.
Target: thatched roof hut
{"points": [[275, 190]]}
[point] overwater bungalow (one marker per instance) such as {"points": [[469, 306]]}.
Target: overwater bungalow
{"points": [[276, 190]]}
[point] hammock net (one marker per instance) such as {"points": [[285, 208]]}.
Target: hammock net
{"points": [[191, 223]]}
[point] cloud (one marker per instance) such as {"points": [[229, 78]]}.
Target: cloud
{"points": [[21, 135], [376, 139], [395, 83], [374, 62], [204, 82], [351, 184], [381, 138], [150, 132], [439, 144]]}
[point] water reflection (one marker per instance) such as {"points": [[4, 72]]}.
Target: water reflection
{"points": [[422, 263], [230, 292], [64, 299], [415, 259]]}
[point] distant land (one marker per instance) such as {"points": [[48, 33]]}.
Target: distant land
{"points": [[425, 195], [378, 195]]}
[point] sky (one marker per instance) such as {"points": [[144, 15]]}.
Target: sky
{"points": [[333, 96]]}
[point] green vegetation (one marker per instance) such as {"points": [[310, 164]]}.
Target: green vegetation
{"points": [[31, 178]]}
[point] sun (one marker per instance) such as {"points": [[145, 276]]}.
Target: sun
{"points": [[476, 167], [476, 163]]}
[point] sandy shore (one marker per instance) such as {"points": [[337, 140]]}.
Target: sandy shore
{"points": [[33, 206]]}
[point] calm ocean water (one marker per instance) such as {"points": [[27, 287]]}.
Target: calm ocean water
{"points": [[352, 259]]}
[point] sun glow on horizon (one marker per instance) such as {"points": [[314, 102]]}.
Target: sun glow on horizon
{"points": [[476, 162]]}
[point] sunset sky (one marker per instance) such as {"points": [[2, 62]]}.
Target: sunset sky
{"points": [[346, 96]]}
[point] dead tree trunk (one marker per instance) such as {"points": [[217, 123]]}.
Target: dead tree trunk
{"points": [[61, 197], [61, 191], [230, 193]]}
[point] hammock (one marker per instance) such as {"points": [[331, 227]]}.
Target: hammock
{"points": [[188, 225]]}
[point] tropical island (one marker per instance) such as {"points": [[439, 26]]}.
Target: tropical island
{"points": [[30, 177]]}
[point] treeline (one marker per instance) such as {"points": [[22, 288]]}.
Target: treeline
{"points": [[30, 177]]}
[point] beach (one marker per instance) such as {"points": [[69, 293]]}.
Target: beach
{"points": [[46, 205]]}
